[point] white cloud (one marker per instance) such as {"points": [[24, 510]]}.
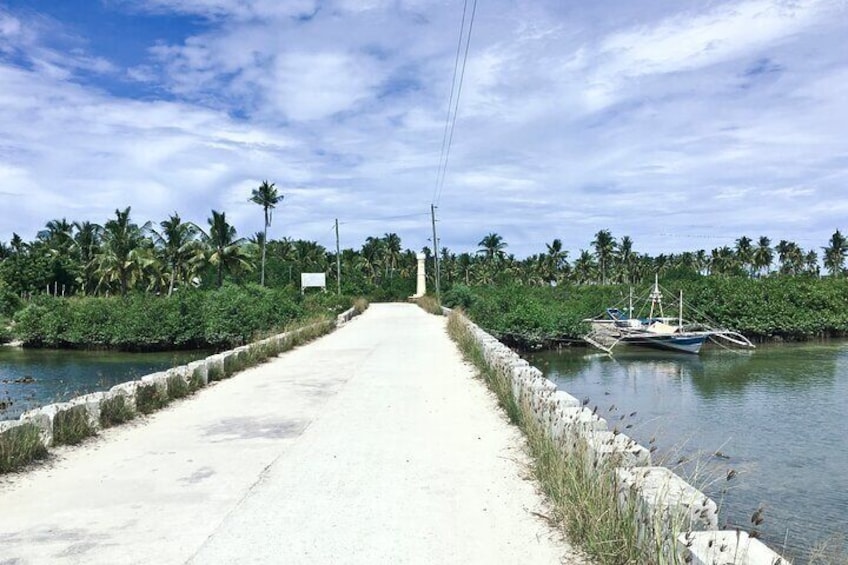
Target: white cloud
{"points": [[727, 118], [313, 86]]}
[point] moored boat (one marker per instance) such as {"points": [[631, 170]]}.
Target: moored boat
{"points": [[655, 330]]}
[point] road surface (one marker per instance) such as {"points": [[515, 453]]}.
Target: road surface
{"points": [[374, 444]]}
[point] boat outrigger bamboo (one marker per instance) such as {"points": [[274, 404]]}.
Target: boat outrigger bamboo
{"points": [[655, 329]]}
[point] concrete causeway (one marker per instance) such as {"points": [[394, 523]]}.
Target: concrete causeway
{"points": [[374, 444]]}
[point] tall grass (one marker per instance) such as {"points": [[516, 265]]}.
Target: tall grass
{"points": [[585, 500], [71, 426], [430, 305], [115, 410], [20, 446]]}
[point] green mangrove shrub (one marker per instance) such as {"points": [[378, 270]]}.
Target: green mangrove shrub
{"points": [[218, 319], [793, 308]]}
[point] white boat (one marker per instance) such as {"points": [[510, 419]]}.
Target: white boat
{"points": [[655, 329]]}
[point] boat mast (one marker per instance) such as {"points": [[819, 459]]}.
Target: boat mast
{"points": [[630, 312], [680, 318], [656, 297]]}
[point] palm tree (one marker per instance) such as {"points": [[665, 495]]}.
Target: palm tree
{"points": [[56, 234], [177, 243], [392, 249], [834, 253], [372, 255], [604, 244], [225, 250], [790, 256], [86, 242], [554, 261], [625, 258], [811, 263], [724, 261], [119, 259], [745, 252], [492, 247], [763, 255], [267, 197], [584, 267]]}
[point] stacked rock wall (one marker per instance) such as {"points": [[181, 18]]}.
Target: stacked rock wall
{"points": [[670, 513], [194, 375]]}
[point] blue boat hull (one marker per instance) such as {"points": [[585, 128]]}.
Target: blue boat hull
{"points": [[681, 343]]}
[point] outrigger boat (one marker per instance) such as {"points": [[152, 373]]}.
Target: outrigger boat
{"points": [[656, 330]]}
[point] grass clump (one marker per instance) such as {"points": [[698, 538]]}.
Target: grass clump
{"points": [[196, 380], [215, 372], [430, 305], [115, 410], [71, 426], [20, 445], [360, 305], [177, 387], [585, 501], [233, 363], [149, 398]]}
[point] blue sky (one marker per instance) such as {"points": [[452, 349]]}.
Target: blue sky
{"points": [[683, 125]]}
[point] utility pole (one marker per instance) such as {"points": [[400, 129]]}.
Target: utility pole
{"points": [[436, 253], [338, 262]]}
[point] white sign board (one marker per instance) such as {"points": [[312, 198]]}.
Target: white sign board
{"points": [[313, 280]]}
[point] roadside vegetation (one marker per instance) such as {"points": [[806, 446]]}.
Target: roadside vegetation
{"points": [[787, 308], [584, 499], [128, 285]]}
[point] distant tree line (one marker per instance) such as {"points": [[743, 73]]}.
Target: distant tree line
{"points": [[121, 256]]}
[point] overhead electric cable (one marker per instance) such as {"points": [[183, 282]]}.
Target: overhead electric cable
{"points": [[453, 102], [450, 99]]}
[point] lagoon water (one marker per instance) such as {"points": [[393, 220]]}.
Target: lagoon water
{"points": [[778, 416], [30, 378]]}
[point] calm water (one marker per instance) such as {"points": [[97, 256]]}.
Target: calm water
{"points": [[60, 375], [778, 416]]}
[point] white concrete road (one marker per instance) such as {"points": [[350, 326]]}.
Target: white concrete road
{"points": [[374, 444]]}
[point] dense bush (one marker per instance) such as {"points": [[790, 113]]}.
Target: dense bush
{"points": [[9, 301], [5, 331], [221, 318], [786, 307]]}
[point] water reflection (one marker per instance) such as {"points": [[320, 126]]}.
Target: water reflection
{"points": [[31, 378], [776, 415]]}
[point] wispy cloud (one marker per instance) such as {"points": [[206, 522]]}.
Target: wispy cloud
{"points": [[725, 116]]}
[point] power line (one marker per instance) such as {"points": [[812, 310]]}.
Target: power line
{"points": [[452, 112], [450, 99]]}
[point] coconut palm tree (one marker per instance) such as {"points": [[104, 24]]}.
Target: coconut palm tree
{"points": [[763, 255], [834, 254], [745, 252], [224, 250], [267, 197], [604, 244], [811, 263], [57, 235], [372, 255], [119, 259], [553, 262], [492, 247], [177, 242], [86, 243], [391, 249], [584, 267], [625, 258]]}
